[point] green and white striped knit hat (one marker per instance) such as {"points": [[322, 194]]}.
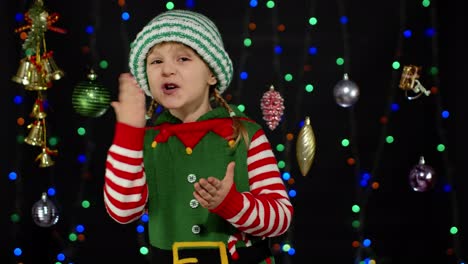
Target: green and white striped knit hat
{"points": [[190, 28]]}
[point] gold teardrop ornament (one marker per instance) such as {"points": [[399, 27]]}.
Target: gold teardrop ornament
{"points": [[305, 147]]}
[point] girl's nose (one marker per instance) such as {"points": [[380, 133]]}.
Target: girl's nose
{"points": [[168, 69]]}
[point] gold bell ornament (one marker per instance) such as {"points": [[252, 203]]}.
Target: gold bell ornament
{"points": [[38, 109], [305, 147], [36, 133], [23, 74], [51, 71], [37, 82], [45, 159], [38, 69]]}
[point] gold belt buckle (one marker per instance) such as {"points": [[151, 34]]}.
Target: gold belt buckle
{"points": [[197, 244]]}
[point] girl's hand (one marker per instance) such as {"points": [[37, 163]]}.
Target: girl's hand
{"points": [[212, 191], [131, 106]]}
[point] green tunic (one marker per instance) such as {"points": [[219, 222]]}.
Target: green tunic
{"points": [[175, 215]]}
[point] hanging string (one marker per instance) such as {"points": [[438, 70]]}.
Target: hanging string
{"points": [[244, 55], [69, 247], [124, 35], [289, 235], [365, 196], [353, 133], [449, 171], [276, 58], [19, 171], [307, 40]]}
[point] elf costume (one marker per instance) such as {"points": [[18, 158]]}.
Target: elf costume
{"points": [[155, 168]]}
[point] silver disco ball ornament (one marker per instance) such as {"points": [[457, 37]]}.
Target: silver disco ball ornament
{"points": [[346, 92], [44, 212]]}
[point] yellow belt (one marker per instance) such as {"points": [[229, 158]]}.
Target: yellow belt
{"points": [[179, 245]]}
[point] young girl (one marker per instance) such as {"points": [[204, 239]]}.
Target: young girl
{"points": [[206, 175]]}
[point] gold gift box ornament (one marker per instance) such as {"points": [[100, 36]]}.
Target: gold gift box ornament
{"points": [[409, 82]]}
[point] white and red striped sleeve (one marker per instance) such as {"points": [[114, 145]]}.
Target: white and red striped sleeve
{"points": [[125, 187], [266, 210]]}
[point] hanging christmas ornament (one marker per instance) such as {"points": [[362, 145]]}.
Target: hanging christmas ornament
{"points": [[23, 74], [422, 176], [346, 92], [38, 109], [305, 147], [51, 71], [44, 212], [410, 84], [272, 107], [37, 69], [36, 133], [45, 159], [90, 98]]}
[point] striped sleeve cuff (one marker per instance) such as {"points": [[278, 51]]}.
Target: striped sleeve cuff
{"points": [[231, 205], [128, 136]]}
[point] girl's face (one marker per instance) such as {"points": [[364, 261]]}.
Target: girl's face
{"points": [[179, 80]]}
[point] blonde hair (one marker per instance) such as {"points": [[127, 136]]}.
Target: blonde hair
{"points": [[239, 130]]}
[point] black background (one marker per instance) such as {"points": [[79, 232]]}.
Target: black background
{"points": [[404, 226]]}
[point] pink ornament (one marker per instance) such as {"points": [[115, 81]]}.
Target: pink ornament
{"points": [[272, 107]]}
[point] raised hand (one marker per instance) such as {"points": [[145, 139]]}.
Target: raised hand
{"points": [[130, 108], [212, 191]]}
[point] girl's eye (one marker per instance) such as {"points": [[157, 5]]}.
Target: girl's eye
{"points": [[184, 59], [156, 61]]}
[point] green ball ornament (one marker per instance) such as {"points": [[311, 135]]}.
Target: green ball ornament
{"points": [[90, 98]]}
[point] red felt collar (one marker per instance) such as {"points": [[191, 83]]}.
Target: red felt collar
{"points": [[191, 133]]}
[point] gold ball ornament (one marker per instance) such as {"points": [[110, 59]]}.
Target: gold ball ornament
{"points": [[305, 147]]}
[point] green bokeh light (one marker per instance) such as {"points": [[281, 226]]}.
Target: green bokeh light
{"points": [[81, 131], [170, 5], [453, 230], [440, 147], [339, 61], [426, 3], [270, 4], [288, 77], [144, 250], [15, 218], [103, 64], [20, 139], [345, 142], [72, 237], [356, 224], [247, 42], [396, 65], [280, 147], [53, 141], [355, 208], [313, 21], [389, 139], [85, 204], [241, 107], [309, 88], [281, 164]]}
